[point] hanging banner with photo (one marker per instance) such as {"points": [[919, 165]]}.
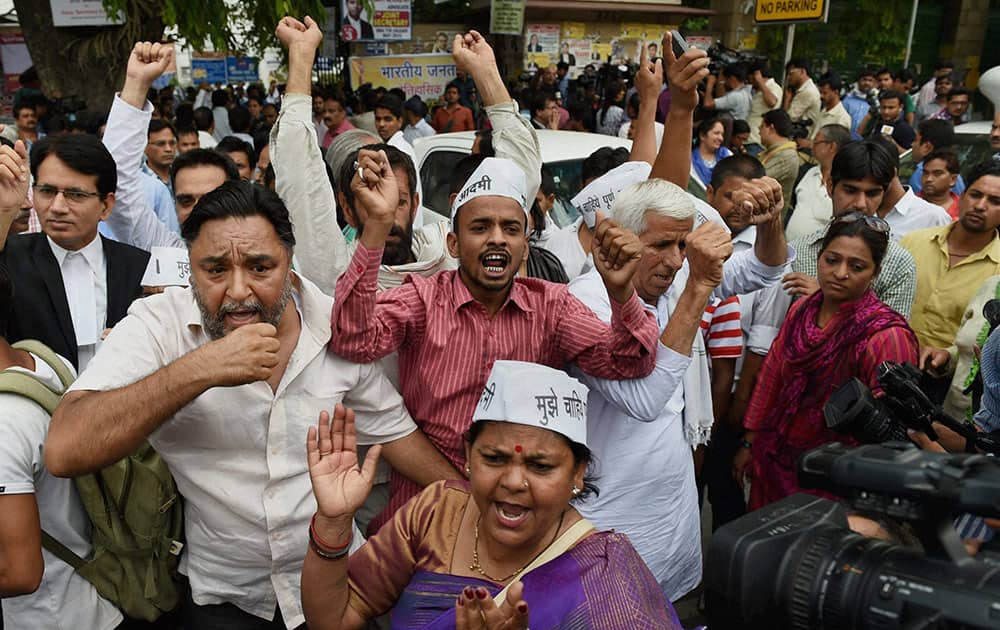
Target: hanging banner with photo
{"points": [[376, 20], [506, 17], [422, 75], [541, 45]]}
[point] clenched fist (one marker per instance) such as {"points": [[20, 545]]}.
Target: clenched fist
{"points": [[708, 247], [245, 355], [617, 252]]}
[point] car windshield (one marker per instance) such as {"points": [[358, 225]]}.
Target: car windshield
{"points": [[438, 166], [972, 148]]}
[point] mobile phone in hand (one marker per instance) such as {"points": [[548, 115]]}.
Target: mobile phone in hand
{"points": [[679, 45]]}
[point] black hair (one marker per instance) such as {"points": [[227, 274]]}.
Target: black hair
{"points": [[949, 157], [987, 167], [157, 125], [463, 171], [867, 158], [883, 70], [634, 102], [24, 104], [203, 157], [581, 455], [220, 98], [562, 65], [240, 119], [745, 166], [416, 106], [83, 153], [706, 125], [391, 103], [837, 134], [877, 242], [240, 199], [738, 70], [740, 126], [186, 131], [886, 95], [780, 120], [203, 118], [6, 298], [799, 62], [270, 177], [611, 93], [232, 144], [867, 72], [832, 80], [486, 142], [904, 75], [941, 64], [539, 101], [547, 187], [940, 133], [398, 93], [959, 91], [397, 159], [184, 115], [601, 161]]}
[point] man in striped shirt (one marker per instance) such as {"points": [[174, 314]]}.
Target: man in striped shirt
{"points": [[450, 328]]}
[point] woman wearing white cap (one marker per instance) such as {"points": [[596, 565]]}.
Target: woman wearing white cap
{"points": [[505, 548]]}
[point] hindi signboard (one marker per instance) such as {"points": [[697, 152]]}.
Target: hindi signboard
{"points": [[424, 75], [242, 69], [82, 13], [209, 69], [376, 20], [507, 17], [790, 11]]}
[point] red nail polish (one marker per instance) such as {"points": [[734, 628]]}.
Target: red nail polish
{"points": [[522, 608], [481, 593], [468, 592], [460, 602]]}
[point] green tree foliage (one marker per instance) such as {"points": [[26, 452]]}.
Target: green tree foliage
{"points": [[240, 25], [857, 32]]}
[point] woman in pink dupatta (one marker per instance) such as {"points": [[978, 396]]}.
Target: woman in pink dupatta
{"points": [[837, 333]]}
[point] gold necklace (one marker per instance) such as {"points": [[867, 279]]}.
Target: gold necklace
{"points": [[477, 567]]}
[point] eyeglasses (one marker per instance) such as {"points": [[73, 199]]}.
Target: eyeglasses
{"points": [[875, 223], [73, 196]]}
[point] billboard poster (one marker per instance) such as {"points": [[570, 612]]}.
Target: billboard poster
{"points": [[422, 75], [210, 70], [542, 38], [242, 69], [376, 20]]}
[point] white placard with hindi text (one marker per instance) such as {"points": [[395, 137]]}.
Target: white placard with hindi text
{"points": [[168, 267]]}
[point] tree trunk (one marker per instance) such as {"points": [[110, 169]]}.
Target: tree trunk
{"points": [[87, 62]]}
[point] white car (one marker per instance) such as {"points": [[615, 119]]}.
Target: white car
{"points": [[563, 153]]}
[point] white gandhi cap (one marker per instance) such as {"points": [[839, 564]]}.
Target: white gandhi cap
{"points": [[537, 396], [495, 177]]}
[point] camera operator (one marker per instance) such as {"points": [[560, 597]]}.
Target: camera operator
{"points": [[732, 94], [802, 101], [780, 157], [766, 96]]}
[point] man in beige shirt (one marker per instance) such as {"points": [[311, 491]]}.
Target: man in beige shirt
{"points": [[802, 100], [766, 96], [833, 112]]}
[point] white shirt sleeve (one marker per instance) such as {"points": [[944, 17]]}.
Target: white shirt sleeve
{"points": [[132, 221], [514, 139], [302, 183], [770, 306], [640, 398], [744, 273], [23, 425], [380, 414]]}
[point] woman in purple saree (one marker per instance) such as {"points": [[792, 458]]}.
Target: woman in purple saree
{"points": [[493, 553]]}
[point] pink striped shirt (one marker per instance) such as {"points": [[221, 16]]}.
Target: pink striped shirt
{"points": [[447, 342]]}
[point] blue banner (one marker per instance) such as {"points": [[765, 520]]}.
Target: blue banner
{"points": [[208, 69], [242, 69]]}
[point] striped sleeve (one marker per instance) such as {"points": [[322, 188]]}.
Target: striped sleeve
{"points": [[720, 325]]}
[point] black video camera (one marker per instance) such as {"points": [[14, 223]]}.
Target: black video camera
{"points": [[800, 129], [721, 56], [795, 564], [854, 411]]}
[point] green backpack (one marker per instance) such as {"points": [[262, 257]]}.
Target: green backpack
{"points": [[134, 509]]}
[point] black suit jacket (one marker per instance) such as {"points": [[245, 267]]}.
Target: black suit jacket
{"points": [[367, 32], [41, 310]]}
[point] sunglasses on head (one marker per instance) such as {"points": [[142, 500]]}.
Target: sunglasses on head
{"points": [[875, 223]]}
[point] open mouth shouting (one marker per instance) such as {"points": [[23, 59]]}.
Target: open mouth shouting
{"points": [[495, 263], [510, 514]]}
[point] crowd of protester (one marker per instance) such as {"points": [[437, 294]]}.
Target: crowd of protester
{"points": [[376, 419]]}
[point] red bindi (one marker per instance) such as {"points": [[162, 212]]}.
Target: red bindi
{"points": [[518, 448]]}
